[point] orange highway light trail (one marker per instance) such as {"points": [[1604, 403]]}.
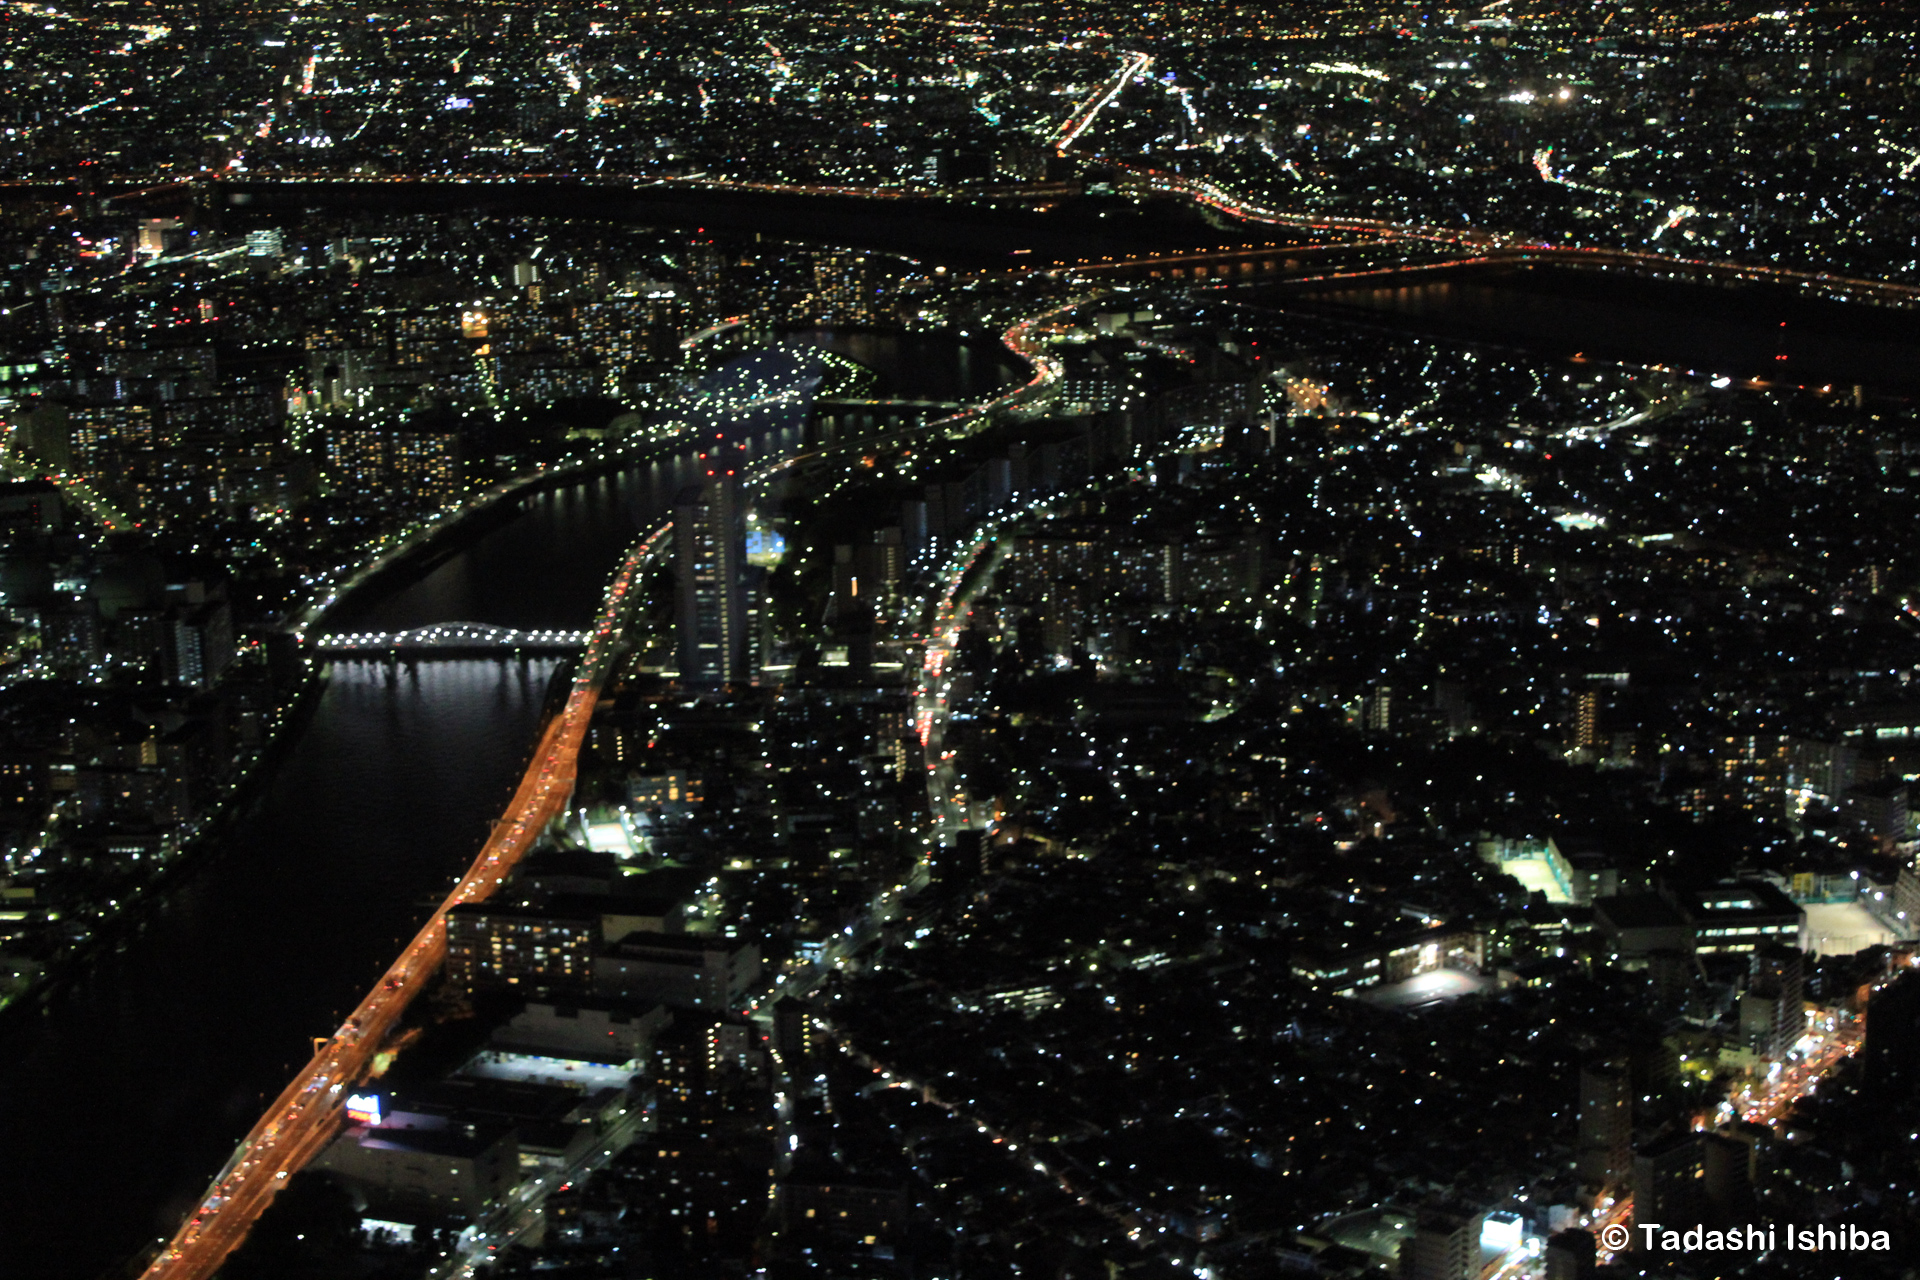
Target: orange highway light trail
{"points": [[309, 1112], [1084, 115]]}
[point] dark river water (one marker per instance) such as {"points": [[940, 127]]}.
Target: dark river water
{"points": [[121, 1100], [1751, 332], [119, 1103]]}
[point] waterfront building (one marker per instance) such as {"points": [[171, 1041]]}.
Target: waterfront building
{"points": [[710, 536], [397, 460], [527, 949]]}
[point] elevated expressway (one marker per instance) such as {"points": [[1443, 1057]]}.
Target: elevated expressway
{"points": [[1475, 245], [1467, 244], [1135, 64], [308, 1113]]}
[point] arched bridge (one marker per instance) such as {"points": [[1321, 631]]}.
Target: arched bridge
{"points": [[449, 639]]}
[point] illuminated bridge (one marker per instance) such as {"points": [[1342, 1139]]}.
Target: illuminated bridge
{"points": [[448, 640]]}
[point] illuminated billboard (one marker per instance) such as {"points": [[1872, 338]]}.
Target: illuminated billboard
{"points": [[363, 1108]]}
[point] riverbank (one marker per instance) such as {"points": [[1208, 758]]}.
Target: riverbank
{"points": [[198, 847], [388, 568], [183, 1036], [301, 1121], [420, 553], [1749, 333], [452, 531]]}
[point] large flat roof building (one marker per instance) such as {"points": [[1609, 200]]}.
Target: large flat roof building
{"points": [[1638, 925], [1742, 915], [455, 1171], [690, 971]]}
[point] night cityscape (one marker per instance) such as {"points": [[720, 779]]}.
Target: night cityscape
{"points": [[955, 641]]}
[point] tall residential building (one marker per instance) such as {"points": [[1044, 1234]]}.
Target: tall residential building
{"points": [[1668, 1179], [710, 555], [1773, 1010], [1570, 1255], [1583, 714], [398, 460], [1377, 710], [30, 506], [847, 288], [199, 644], [523, 949], [1879, 810], [425, 337], [1605, 1123], [1755, 772], [1728, 1163], [1445, 1245], [1893, 1036], [1586, 719], [793, 1034]]}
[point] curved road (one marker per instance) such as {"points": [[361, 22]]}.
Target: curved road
{"points": [[305, 1117], [310, 1111]]}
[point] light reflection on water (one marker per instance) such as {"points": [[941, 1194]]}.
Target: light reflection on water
{"points": [[119, 1104]]}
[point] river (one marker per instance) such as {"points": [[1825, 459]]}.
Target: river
{"points": [[1748, 332], [119, 1103]]}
